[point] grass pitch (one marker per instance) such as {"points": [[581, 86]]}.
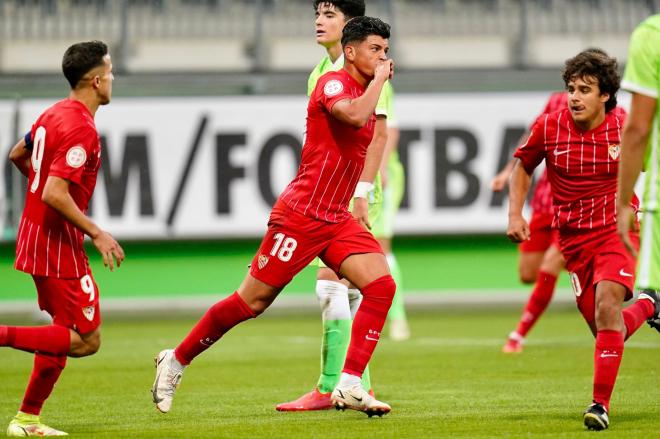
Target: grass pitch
{"points": [[449, 380]]}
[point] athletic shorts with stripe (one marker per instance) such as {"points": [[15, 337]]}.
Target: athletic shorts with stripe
{"points": [[294, 240], [595, 257], [542, 235], [73, 303]]}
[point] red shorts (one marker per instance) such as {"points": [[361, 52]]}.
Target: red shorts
{"points": [[294, 240], [594, 257], [73, 303], [542, 235]]}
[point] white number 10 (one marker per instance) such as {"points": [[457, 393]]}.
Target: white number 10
{"points": [[285, 245], [39, 142]]}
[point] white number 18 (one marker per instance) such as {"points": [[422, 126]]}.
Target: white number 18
{"points": [[285, 245]]}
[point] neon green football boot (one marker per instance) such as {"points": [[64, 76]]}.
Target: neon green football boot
{"points": [[25, 424]]}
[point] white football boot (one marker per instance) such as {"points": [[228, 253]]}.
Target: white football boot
{"points": [[356, 398], [168, 376]]}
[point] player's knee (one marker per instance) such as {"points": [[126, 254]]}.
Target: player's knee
{"points": [[90, 344], [333, 298], [527, 276], [382, 289]]}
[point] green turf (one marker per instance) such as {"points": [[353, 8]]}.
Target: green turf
{"points": [[450, 380], [177, 268]]}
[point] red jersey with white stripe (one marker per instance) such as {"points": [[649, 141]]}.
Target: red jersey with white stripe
{"points": [[582, 167], [333, 154], [542, 199], [66, 145]]}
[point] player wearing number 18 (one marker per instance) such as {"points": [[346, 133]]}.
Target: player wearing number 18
{"points": [[311, 218], [61, 156]]}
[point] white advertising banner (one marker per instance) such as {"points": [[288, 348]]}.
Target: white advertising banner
{"points": [[212, 167]]}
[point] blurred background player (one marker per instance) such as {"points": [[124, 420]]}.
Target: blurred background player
{"points": [[393, 181], [639, 145], [580, 146], [311, 218], [61, 157], [540, 260], [338, 299]]}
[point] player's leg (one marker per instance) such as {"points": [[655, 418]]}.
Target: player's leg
{"points": [[74, 303], [289, 245], [370, 273], [538, 301], [648, 272], [332, 293], [354, 301]]}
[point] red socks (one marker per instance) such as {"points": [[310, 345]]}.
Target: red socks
{"points": [[218, 319], [538, 302], [636, 314], [607, 359], [46, 371], [368, 322], [50, 340]]}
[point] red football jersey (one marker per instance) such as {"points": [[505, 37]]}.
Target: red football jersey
{"points": [[542, 199], [333, 154], [582, 167], [66, 145]]}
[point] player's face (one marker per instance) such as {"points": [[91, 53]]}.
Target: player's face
{"points": [[585, 100], [368, 54], [105, 80], [329, 23]]}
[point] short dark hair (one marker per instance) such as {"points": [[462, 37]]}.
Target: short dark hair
{"points": [[81, 58], [359, 28], [595, 63], [350, 8]]}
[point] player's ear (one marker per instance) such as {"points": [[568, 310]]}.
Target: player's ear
{"points": [[604, 97], [349, 52]]}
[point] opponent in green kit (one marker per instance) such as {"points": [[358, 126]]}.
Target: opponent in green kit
{"points": [[640, 148], [393, 181], [338, 300]]}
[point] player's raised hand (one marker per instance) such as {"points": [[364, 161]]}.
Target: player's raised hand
{"points": [[109, 248], [518, 229], [625, 222], [361, 211], [384, 70]]}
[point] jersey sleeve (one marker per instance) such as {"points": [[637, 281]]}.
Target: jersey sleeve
{"points": [[332, 89], [73, 151], [641, 74], [383, 104], [532, 152]]}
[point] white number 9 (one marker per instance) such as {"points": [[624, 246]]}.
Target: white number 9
{"points": [[39, 142], [88, 286]]}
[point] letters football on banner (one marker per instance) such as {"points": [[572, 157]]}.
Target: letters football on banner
{"points": [[212, 167]]}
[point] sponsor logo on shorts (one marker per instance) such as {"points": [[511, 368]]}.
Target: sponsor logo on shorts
{"points": [[333, 88], [614, 151], [262, 261], [76, 156], [88, 312], [624, 274]]}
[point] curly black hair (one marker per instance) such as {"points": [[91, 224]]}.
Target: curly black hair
{"points": [[595, 63], [81, 58], [350, 8], [359, 28]]}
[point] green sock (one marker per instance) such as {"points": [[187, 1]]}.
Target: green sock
{"points": [[398, 309], [336, 336]]}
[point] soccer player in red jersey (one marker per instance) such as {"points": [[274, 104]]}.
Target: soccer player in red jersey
{"points": [[311, 218], [61, 157], [580, 146], [540, 258]]}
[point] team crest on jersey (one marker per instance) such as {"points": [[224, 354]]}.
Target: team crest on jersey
{"points": [[88, 311], [262, 261], [76, 156], [333, 88], [614, 151]]}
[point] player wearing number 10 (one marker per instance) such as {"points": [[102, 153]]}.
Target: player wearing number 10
{"points": [[311, 218], [61, 156]]}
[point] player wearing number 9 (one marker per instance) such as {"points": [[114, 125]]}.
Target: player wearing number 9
{"points": [[61, 156], [311, 218]]}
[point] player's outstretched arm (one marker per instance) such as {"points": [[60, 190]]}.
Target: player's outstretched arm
{"points": [[356, 112], [518, 229], [20, 156], [56, 195], [633, 147], [371, 165]]}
